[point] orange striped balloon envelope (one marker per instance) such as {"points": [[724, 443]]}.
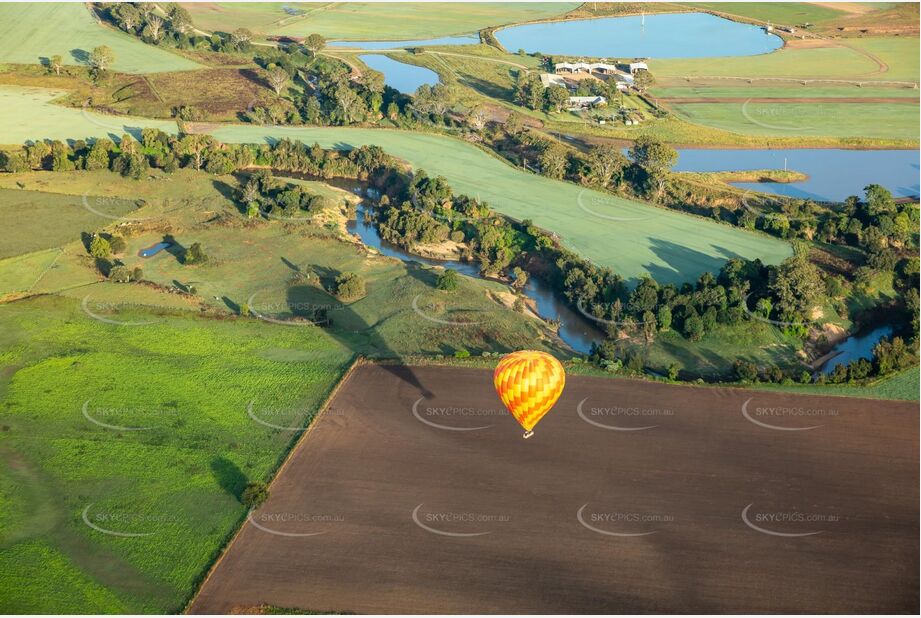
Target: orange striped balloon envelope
{"points": [[529, 383]]}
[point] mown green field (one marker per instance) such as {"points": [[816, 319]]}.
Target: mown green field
{"points": [[633, 238], [841, 61], [744, 90], [32, 31], [46, 220], [357, 20], [175, 484], [875, 120]]}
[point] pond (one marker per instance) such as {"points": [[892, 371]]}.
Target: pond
{"points": [[398, 75], [855, 347], [676, 35], [834, 174], [154, 249], [576, 331]]}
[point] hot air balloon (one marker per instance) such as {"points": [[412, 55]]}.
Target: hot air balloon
{"points": [[529, 383]]}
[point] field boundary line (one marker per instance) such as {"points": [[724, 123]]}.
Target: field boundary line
{"points": [[358, 362]]}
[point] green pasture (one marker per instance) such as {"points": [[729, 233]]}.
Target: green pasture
{"points": [[190, 381], [37, 118], [791, 90], [874, 120], [633, 238], [713, 356], [37, 220], [901, 386], [787, 13], [367, 21], [845, 59], [899, 53], [32, 31]]}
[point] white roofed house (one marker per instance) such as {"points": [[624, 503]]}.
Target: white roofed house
{"points": [[579, 103], [638, 66], [549, 79]]}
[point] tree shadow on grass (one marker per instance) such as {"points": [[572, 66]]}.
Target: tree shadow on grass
{"points": [[229, 476]]}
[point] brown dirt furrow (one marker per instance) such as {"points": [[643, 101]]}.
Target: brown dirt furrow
{"points": [[415, 493]]}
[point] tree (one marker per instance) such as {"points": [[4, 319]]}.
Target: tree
{"points": [[606, 162], [514, 124], [241, 36], [254, 494], [56, 64], [664, 318], [154, 28], [348, 103], [349, 286], [673, 371], [653, 157], [530, 91], [642, 80], [120, 274], [520, 277], [101, 58], [796, 284], [553, 161], [314, 43], [194, 254], [476, 119], [98, 157], [194, 145], [447, 280], [179, 19], [100, 247], [60, 157], [557, 98], [13, 162], [277, 78]]}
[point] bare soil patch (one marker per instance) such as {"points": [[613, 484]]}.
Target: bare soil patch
{"points": [[415, 493]]}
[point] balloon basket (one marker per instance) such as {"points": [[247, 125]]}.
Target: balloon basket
{"points": [[527, 434]]}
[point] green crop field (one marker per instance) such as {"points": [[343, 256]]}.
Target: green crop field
{"points": [[175, 485], [744, 90], [356, 20], [633, 238], [845, 60], [36, 118], [875, 120], [32, 31]]}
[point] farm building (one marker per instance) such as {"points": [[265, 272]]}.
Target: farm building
{"points": [[577, 103], [549, 79], [585, 67], [638, 66]]}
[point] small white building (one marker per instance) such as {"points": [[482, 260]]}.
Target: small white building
{"points": [[577, 103], [638, 66], [549, 79], [585, 67]]}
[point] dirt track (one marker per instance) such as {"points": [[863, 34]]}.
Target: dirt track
{"points": [[699, 510]]}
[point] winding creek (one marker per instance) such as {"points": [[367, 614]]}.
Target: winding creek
{"points": [[576, 331]]}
